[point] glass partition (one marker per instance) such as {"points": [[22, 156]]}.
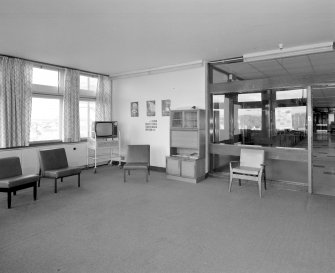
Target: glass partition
{"points": [[275, 118]]}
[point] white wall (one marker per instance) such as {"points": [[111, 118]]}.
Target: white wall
{"points": [[185, 88]]}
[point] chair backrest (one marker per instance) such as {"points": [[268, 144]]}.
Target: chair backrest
{"points": [[9, 167], [53, 159], [251, 158], [138, 154]]}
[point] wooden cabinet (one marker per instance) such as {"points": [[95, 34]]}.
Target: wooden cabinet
{"points": [[187, 145]]}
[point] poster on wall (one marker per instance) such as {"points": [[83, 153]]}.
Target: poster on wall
{"points": [[166, 106], [151, 108], [134, 109]]}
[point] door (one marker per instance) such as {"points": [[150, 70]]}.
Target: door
{"points": [[323, 144]]}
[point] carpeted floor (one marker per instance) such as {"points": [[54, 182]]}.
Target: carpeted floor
{"points": [[165, 226]]}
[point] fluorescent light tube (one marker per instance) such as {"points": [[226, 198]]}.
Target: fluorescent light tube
{"points": [[289, 52]]}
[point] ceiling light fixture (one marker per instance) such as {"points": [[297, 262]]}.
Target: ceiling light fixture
{"points": [[289, 52]]}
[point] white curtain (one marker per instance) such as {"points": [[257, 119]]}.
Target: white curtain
{"points": [[15, 102], [71, 106], [103, 106]]}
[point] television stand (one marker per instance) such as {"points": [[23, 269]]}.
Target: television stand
{"points": [[100, 150]]}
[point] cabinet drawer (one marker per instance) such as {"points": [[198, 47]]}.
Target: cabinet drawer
{"points": [[186, 139], [188, 168], [173, 166]]}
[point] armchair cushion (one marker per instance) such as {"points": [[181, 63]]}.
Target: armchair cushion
{"points": [[11, 182], [62, 172]]}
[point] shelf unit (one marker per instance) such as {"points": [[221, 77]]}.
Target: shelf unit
{"points": [[103, 149], [187, 145]]}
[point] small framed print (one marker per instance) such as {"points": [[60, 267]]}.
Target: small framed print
{"points": [[166, 106], [151, 108], [134, 109]]}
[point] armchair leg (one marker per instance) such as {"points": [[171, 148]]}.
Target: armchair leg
{"points": [[78, 180], [39, 179], [260, 186], [55, 185], [230, 181], [9, 199], [35, 191]]}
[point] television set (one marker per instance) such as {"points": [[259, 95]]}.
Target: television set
{"points": [[105, 129]]}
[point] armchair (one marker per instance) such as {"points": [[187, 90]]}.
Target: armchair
{"points": [[53, 164], [250, 167], [12, 180], [138, 158]]}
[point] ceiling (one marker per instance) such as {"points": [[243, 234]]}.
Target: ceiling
{"points": [[119, 36]]}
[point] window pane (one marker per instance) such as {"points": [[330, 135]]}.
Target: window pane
{"points": [[83, 113], [87, 116], [45, 119], [83, 82], [45, 76], [88, 83], [93, 84]]}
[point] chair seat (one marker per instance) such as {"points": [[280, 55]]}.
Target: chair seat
{"points": [[62, 172], [135, 166], [246, 170], [19, 180]]}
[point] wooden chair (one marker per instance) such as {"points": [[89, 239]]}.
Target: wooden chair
{"points": [[53, 164], [12, 180], [250, 167], [138, 158]]}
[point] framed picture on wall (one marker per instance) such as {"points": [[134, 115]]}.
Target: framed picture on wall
{"points": [[151, 108], [166, 106], [134, 109]]}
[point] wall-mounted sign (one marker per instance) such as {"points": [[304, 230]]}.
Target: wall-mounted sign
{"points": [[151, 125]]}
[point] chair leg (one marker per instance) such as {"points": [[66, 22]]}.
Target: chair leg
{"points": [[9, 199], [239, 182], [55, 185], [230, 181], [35, 191], [124, 175], [260, 186], [128, 172], [39, 178], [264, 180], [14, 192], [61, 179], [78, 180]]}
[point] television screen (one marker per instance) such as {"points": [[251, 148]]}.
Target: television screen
{"points": [[106, 129]]}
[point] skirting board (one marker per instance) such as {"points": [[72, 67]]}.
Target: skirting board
{"points": [[186, 179]]}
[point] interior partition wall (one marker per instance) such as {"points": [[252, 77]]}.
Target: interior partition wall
{"points": [[270, 114]]}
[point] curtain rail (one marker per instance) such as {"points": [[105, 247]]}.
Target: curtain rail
{"points": [[49, 64]]}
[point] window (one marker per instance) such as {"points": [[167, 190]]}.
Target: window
{"points": [[45, 119], [87, 116], [88, 83], [45, 76], [45, 81]]}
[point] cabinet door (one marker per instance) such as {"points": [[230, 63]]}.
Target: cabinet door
{"points": [[184, 139], [173, 166], [188, 168], [191, 119], [176, 119]]}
